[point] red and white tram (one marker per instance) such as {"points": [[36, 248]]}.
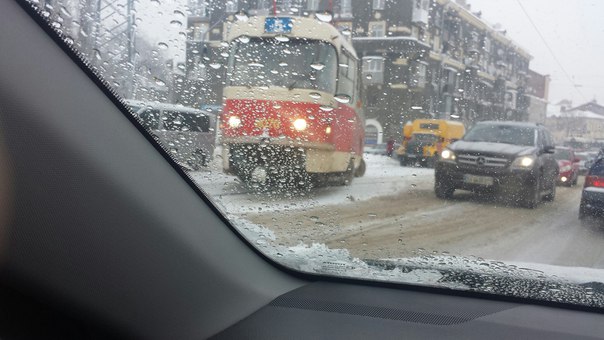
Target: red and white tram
{"points": [[292, 110]]}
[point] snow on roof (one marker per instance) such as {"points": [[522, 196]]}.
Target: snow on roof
{"points": [[553, 111]]}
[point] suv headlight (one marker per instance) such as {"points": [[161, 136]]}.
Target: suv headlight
{"points": [[447, 156], [524, 162]]}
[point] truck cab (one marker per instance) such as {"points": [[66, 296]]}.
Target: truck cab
{"points": [[425, 138]]}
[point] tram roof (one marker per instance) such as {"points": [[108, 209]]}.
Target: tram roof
{"points": [[302, 28]]}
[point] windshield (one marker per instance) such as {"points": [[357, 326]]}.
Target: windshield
{"points": [[295, 90], [292, 64], [507, 134], [424, 137]]}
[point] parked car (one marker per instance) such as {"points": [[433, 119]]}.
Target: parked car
{"points": [[508, 157], [189, 133], [592, 197], [568, 164], [375, 149]]}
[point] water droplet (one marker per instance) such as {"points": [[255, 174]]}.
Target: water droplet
{"points": [[215, 65], [324, 16], [281, 38], [326, 108], [283, 64], [314, 95], [97, 54], [162, 45], [242, 16], [176, 23], [255, 64], [372, 215], [156, 2], [343, 65], [342, 98], [317, 66], [160, 82], [369, 76], [244, 39], [346, 32]]}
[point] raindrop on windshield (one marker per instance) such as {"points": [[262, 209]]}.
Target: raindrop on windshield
{"points": [[176, 23], [97, 54], [241, 16], [255, 64], [244, 39], [160, 82], [215, 65], [179, 13], [368, 76], [283, 64], [324, 16], [163, 45], [326, 108], [317, 66], [314, 95], [342, 98], [281, 38]]}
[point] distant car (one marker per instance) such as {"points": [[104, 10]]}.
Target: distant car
{"points": [[568, 164], [592, 197], [375, 149], [378, 149], [585, 161]]}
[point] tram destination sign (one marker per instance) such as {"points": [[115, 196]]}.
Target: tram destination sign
{"points": [[278, 25]]}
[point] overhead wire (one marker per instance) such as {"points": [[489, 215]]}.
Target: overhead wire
{"points": [[551, 51]]}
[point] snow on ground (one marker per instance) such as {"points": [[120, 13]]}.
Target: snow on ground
{"points": [[384, 176]]}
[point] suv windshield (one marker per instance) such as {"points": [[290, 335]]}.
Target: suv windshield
{"points": [[508, 134], [453, 96]]}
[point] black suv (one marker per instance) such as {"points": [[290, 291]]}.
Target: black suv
{"points": [[511, 158]]}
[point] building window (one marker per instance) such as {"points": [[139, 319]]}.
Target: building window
{"points": [[377, 29], [198, 8], [345, 8], [373, 70], [231, 6], [313, 5], [421, 11], [379, 4], [418, 74], [199, 31]]}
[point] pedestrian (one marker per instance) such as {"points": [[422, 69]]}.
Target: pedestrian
{"points": [[390, 147]]}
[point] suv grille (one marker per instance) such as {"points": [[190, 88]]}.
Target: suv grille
{"points": [[494, 162]]}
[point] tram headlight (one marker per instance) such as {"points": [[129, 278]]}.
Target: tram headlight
{"points": [[234, 122], [300, 124]]}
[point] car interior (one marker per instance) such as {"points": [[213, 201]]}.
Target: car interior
{"points": [[103, 235]]}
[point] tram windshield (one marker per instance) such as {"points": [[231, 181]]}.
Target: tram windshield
{"points": [[295, 63]]}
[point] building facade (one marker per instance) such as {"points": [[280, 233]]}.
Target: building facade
{"points": [[538, 94], [420, 58]]}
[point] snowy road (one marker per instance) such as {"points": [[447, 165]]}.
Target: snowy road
{"points": [[392, 212]]}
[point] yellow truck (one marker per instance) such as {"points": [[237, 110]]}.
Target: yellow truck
{"points": [[425, 138]]}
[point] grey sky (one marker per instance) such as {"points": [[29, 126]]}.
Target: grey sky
{"points": [[574, 30]]}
